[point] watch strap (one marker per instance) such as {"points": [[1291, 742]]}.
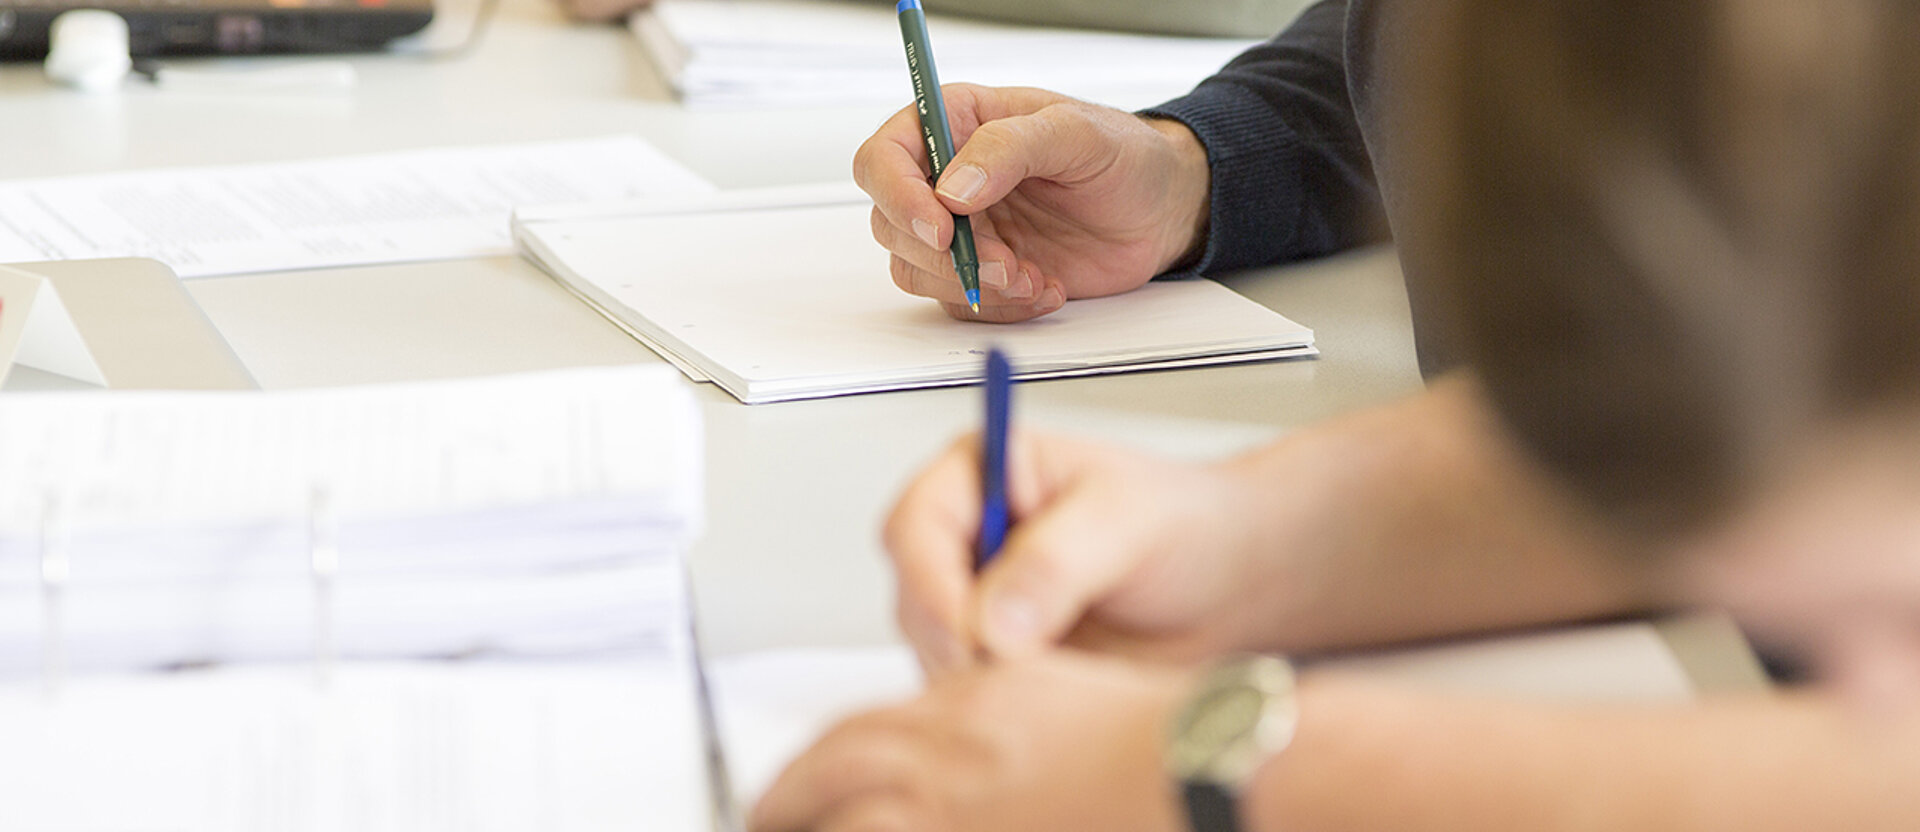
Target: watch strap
{"points": [[1211, 807]]}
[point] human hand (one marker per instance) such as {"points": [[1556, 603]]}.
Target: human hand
{"points": [[1112, 549], [1062, 741], [1414, 520], [1068, 199], [601, 11]]}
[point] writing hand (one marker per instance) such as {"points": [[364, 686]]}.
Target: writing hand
{"points": [[1068, 199]]}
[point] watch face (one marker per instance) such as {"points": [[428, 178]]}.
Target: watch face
{"points": [[1219, 721], [1243, 712]]}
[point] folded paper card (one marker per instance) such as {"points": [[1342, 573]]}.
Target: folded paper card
{"points": [[125, 323]]}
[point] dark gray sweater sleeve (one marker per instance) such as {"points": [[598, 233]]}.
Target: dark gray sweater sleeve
{"points": [[1291, 175]]}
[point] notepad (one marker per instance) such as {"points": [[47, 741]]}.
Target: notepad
{"points": [[783, 294]]}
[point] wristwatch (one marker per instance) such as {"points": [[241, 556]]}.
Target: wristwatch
{"points": [[1242, 714]]}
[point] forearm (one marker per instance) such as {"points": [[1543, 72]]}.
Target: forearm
{"points": [[1424, 521], [1371, 758]]}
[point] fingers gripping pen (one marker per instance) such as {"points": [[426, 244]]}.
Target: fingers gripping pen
{"points": [[938, 135]]}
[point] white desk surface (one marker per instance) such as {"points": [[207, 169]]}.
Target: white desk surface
{"points": [[797, 491]]}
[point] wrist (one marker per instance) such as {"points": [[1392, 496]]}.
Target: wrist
{"points": [[1189, 192], [1340, 720], [1241, 716]]}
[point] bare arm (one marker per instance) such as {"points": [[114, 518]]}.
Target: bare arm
{"points": [[1072, 741], [1373, 758], [1427, 521]]}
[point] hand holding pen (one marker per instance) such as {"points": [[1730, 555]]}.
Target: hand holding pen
{"points": [[931, 108], [1063, 198], [1103, 548]]}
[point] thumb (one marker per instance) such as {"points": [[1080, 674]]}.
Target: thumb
{"points": [[1055, 142], [1053, 568]]}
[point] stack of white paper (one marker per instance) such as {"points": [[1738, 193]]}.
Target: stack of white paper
{"points": [[536, 515], [740, 53], [780, 295]]}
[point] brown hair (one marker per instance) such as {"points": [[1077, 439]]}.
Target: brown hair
{"points": [[1676, 237]]}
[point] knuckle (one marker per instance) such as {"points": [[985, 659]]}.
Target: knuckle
{"points": [[996, 140]]}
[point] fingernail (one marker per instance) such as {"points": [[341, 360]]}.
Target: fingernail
{"points": [[963, 183], [1021, 286], [1012, 620], [993, 274], [927, 233], [1052, 298]]}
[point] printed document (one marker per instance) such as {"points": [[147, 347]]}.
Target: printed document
{"points": [[354, 210]]}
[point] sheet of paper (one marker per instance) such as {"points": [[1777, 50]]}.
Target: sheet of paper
{"points": [[386, 748], [353, 210], [771, 705], [808, 309], [1626, 662]]}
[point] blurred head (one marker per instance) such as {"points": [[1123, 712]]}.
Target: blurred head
{"points": [[1681, 244]]}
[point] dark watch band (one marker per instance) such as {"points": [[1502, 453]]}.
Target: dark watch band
{"points": [[1210, 807]]}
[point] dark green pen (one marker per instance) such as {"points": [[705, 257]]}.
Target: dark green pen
{"points": [[938, 136]]}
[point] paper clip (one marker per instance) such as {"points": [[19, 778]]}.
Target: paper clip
{"points": [[54, 571], [323, 562]]}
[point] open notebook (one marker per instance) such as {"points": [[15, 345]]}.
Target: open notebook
{"points": [[782, 294]]}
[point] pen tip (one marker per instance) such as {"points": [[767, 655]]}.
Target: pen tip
{"points": [[973, 300]]}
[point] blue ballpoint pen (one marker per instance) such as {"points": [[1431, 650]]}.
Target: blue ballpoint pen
{"points": [[994, 515], [938, 137]]}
